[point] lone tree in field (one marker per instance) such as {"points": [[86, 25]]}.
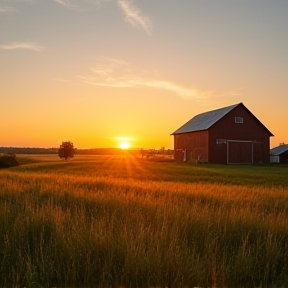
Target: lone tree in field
{"points": [[66, 150]]}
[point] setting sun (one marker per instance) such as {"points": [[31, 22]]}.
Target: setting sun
{"points": [[124, 145]]}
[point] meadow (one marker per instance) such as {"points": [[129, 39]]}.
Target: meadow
{"points": [[123, 221]]}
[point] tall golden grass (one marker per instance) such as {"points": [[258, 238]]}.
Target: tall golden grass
{"points": [[78, 229]]}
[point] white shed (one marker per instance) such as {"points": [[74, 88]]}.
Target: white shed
{"points": [[279, 154]]}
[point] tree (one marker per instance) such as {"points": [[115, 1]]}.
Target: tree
{"points": [[66, 150]]}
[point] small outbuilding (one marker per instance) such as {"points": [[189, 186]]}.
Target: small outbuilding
{"points": [[227, 135], [279, 154]]}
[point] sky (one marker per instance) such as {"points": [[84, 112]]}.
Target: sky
{"points": [[100, 72]]}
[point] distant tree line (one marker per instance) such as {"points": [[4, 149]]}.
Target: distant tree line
{"points": [[99, 151], [92, 151], [26, 150]]}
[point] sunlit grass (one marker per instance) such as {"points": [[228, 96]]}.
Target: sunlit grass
{"points": [[117, 221]]}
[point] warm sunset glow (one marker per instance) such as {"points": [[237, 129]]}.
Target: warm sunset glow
{"points": [[124, 145], [106, 92]]}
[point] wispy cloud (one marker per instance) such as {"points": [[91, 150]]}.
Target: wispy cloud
{"points": [[117, 73], [135, 17], [66, 3], [6, 9], [12, 4], [131, 12], [22, 45], [81, 5]]}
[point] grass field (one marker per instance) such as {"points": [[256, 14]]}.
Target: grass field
{"points": [[107, 221]]}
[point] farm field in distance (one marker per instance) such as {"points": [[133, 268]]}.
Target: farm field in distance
{"points": [[111, 221]]}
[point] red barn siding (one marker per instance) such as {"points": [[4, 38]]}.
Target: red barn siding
{"points": [[195, 144]]}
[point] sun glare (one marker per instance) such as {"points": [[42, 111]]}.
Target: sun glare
{"points": [[124, 145]]}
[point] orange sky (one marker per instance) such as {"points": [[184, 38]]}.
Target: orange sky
{"points": [[102, 70]]}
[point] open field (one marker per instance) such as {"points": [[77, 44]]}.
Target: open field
{"points": [[106, 221]]}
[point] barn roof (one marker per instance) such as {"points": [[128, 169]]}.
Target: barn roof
{"points": [[279, 150], [205, 120]]}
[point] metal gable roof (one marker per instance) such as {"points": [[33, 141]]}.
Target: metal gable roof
{"points": [[279, 150], [205, 120]]}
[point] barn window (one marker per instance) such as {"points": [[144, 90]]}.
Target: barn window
{"points": [[238, 119], [221, 141]]}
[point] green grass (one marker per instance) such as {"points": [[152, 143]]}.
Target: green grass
{"points": [[111, 221], [139, 169]]}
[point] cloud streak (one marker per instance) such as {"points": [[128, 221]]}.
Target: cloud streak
{"points": [[134, 16], [22, 45], [66, 3], [118, 74], [81, 5], [6, 9]]}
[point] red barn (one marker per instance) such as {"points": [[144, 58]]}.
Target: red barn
{"points": [[227, 135]]}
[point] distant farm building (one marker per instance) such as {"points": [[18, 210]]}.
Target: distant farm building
{"points": [[279, 154], [227, 135]]}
